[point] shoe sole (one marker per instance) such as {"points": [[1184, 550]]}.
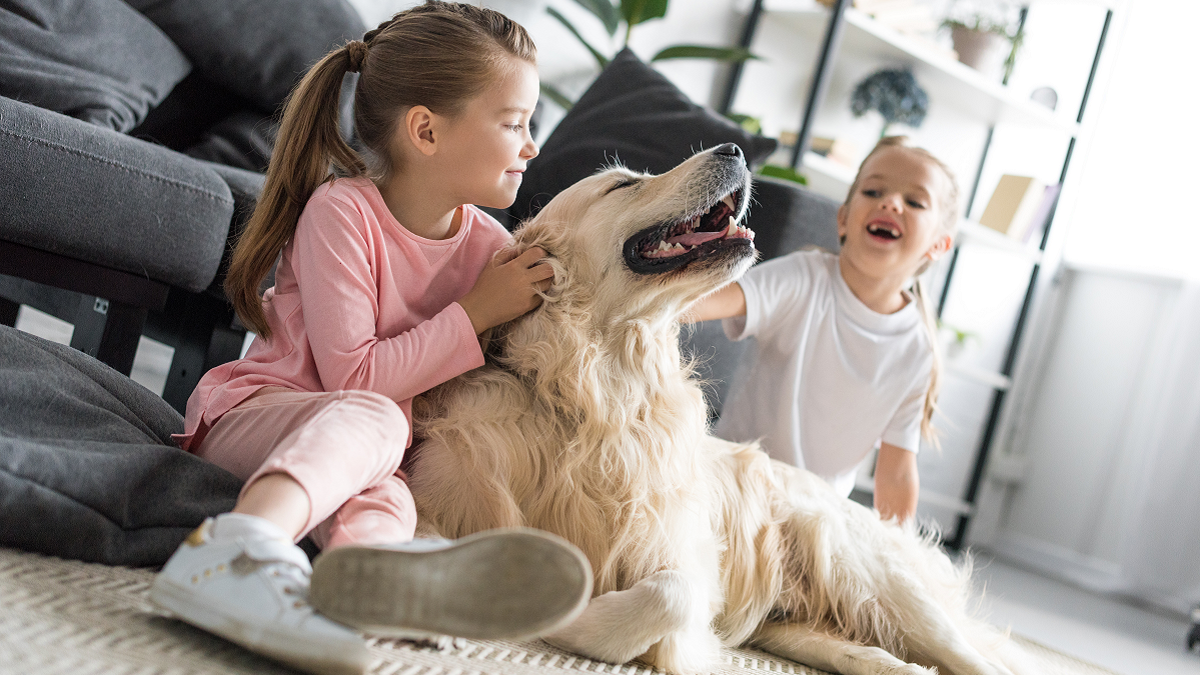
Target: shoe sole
{"points": [[307, 654], [510, 583]]}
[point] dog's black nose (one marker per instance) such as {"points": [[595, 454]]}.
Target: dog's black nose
{"points": [[730, 149]]}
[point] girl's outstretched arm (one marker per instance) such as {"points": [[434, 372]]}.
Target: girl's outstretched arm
{"points": [[728, 301], [897, 484]]}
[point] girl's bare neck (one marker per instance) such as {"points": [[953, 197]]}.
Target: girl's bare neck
{"points": [[883, 295], [419, 206]]}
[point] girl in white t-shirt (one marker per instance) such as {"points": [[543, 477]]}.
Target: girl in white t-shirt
{"points": [[845, 354]]}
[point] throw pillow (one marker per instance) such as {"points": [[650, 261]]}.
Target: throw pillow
{"points": [[95, 60], [633, 115], [258, 49]]}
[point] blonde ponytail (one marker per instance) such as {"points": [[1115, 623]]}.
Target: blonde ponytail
{"points": [[925, 308], [308, 149]]}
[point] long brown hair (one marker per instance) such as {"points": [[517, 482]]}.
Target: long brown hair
{"points": [[948, 204], [439, 55]]}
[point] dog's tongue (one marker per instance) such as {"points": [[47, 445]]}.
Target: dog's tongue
{"points": [[694, 238]]}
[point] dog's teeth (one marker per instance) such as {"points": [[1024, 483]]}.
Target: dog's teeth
{"points": [[728, 199]]}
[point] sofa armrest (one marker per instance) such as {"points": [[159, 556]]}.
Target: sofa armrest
{"points": [[84, 192]]}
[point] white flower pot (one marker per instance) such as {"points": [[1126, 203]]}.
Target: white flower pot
{"points": [[985, 52]]}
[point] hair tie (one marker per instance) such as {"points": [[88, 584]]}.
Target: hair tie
{"points": [[357, 51]]}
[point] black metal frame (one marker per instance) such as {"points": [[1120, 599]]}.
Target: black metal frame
{"points": [[816, 96], [110, 311], [110, 314]]}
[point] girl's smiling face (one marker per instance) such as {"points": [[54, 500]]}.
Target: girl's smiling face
{"points": [[488, 146], [896, 218]]}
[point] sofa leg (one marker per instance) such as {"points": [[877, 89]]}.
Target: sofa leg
{"points": [[200, 328], [8, 312], [108, 330]]}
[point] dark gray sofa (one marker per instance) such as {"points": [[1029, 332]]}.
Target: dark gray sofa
{"points": [[87, 468]]}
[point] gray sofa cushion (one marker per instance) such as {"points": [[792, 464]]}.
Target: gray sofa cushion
{"points": [[87, 467], [256, 48], [96, 60], [85, 192], [634, 115], [787, 217]]}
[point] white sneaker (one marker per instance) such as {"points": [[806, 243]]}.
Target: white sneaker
{"points": [[513, 583], [241, 577]]}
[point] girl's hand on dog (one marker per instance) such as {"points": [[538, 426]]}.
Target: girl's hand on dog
{"points": [[507, 288]]}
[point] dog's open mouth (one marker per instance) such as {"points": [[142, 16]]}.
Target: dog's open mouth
{"points": [[666, 247]]}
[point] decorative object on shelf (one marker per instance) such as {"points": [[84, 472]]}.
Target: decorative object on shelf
{"points": [[1046, 96], [987, 41], [633, 13], [895, 95]]}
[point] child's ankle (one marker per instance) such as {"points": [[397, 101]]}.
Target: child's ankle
{"points": [[233, 525]]}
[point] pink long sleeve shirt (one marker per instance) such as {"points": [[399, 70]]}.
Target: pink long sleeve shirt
{"points": [[359, 302]]}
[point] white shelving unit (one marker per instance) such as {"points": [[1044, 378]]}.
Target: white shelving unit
{"points": [[945, 79], [942, 76], [971, 232]]}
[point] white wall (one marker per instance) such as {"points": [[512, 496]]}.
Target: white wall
{"points": [[1085, 448]]}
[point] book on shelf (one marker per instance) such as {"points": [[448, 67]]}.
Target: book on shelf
{"points": [[1013, 204]]}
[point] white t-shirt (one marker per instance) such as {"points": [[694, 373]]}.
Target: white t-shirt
{"points": [[829, 377]]}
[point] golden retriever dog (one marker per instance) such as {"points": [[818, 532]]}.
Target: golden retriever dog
{"points": [[585, 422]]}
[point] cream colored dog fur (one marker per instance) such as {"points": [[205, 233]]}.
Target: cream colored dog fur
{"points": [[585, 423]]}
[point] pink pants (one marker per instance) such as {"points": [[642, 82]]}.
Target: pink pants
{"points": [[344, 448]]}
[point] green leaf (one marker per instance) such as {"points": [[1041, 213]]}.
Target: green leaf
{"points": [[703, 52], [600, 57], [554, 94], [784, 172], [751, 124], [638, 11], [605, 11]]}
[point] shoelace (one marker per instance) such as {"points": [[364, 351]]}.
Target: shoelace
{"points": [[292, 580]]}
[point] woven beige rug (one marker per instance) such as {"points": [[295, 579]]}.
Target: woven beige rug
{"points": [[72, 618]]}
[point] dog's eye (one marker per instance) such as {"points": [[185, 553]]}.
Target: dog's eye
{"points": [[628, 182]]}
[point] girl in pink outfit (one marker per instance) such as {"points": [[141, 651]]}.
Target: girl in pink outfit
{"points": [[386, 275]]}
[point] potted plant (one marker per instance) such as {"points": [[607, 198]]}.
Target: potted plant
{"points": [[894, 94], [986, 41], [614, 14]]}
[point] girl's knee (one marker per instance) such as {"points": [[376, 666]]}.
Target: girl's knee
{"points": [[384, 413]]}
